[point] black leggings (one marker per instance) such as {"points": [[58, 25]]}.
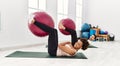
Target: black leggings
{"points": [[53, 37]]}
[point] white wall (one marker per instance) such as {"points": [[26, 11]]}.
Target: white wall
{"points": [[14, 30], [51, 8], [105, 13], [72, 9]]}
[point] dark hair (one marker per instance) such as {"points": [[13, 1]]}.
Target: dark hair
{"points": [[85, 43]]}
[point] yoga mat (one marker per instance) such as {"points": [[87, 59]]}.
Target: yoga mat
{"points": [[24, 54], [91, 46]]}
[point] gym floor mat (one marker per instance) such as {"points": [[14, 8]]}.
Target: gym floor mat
{"points": [[23, 54]]}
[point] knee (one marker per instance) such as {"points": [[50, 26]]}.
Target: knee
{"points": [[73, 32], [54, 31]]}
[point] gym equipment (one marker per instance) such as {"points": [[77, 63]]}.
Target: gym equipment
{"points": [[103, 32], [92, 32], [69, 23], [111, 37], [42, 17], [22, 54], [85, 27], [106, 32], [100, 39], [85, 35]]}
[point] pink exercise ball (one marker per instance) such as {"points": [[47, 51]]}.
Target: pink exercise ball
{"points": [[68, 23], [41, 17]]}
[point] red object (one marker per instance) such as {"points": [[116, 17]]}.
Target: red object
{"points": [[43, 18], [69, 23]]}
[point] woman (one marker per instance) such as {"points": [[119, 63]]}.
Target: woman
{"points": [[65, 48]]}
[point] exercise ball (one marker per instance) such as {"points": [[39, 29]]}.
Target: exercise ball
{"points": [[103, 32], [68, 23], [106, 32], [85, 27], [85, 35], [41, 17]]}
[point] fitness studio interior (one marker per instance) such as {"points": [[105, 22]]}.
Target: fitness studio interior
{"points": [[21, 43]]}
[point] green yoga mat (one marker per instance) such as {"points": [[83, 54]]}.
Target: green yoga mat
{"points": [[22, 54], [91, 46]]}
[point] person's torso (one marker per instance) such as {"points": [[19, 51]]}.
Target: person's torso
{"points": [[62, 53]]}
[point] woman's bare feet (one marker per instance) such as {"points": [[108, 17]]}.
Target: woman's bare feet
{"points": [[32, 21], [60, 26]]}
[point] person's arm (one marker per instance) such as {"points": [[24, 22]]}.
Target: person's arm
{"points": [[72, 32], [92, 37], [64, 43], [66, 49], [73, 35]]}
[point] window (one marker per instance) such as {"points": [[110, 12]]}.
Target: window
{"points": [[36, 5], [78, 14], [62, 9]]}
